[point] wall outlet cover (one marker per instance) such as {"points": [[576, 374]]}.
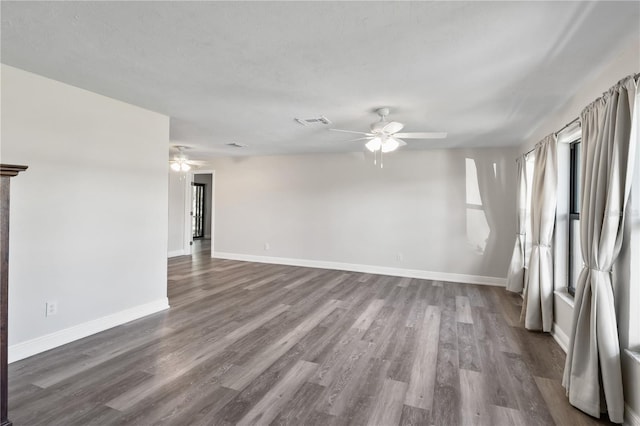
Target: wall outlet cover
{"points": [[51, 308]]}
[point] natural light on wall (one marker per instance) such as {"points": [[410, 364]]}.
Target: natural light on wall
{"points": [[477, 226], [531, 159]]}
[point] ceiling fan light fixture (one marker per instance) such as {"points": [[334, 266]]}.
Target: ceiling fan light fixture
{"points": [[390, 144], [374, 144], [385, 136], [180, 162]]}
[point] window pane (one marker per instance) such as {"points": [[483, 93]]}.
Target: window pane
{"points": [[576, 254], [575, 177]]}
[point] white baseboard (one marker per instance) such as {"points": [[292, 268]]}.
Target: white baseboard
{"points": [[631, 418], [175, 253], [560, 337], [370, 269], [44, 343]]}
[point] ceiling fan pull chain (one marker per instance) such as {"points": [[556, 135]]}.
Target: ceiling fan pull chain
{"points": [[381, 163]]}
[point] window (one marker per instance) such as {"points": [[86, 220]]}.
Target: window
{"points": [[477, 225], [575, 255]]}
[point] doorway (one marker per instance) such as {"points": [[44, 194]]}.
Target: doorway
{"points": [[198, 210], [201, 212]]}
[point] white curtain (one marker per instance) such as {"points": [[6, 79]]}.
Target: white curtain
{"points": [[537, 307], [515, 276], [592, 374]]}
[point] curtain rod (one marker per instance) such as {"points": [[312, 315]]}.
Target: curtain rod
{"points": [[569, 124], [636, 77], [529, 152], [575, 120]]}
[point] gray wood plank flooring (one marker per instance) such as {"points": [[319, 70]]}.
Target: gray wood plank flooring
{"points": [[248, 343]]}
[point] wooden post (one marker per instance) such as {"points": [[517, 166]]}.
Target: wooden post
{"points": [[7, 171]]}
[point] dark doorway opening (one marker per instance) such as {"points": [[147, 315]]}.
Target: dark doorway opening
{"points": [[197, 210]]}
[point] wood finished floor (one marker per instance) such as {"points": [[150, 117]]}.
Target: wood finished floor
{"points": [[248, 343]]}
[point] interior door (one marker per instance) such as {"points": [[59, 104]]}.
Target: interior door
{"points": [[197, 210]]}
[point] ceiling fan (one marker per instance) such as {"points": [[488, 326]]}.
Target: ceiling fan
{"points": [[385, 137], [181, 162]]}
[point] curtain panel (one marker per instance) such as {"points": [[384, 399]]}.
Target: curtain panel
{"points": [[537, 308], [592, 374], [515, 275]]}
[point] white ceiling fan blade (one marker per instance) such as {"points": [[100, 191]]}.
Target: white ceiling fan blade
{"points": [[400, 141], [392, 127], [422, 135], [359, 139], [351, 131]]}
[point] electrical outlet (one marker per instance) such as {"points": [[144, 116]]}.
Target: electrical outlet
{"points": [[267, 246], [399, 257], [51, 308]]}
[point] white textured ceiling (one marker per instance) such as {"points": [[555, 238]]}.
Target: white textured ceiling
{"points": [[486, 72]]}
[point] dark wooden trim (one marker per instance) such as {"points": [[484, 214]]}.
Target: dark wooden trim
{"points": [[4, 293], [11, 169], [6, 172]]}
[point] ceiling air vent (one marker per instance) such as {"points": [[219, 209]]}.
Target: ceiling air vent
{"points": [[237, 145], [308, 121]]}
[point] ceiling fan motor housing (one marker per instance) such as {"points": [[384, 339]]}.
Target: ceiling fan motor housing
{"points": [[383, 112]]}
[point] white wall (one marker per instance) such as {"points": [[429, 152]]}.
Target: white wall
{"points": [[89, 216], [177, 200], [628, 271], [599, 80], [341, 209]]}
